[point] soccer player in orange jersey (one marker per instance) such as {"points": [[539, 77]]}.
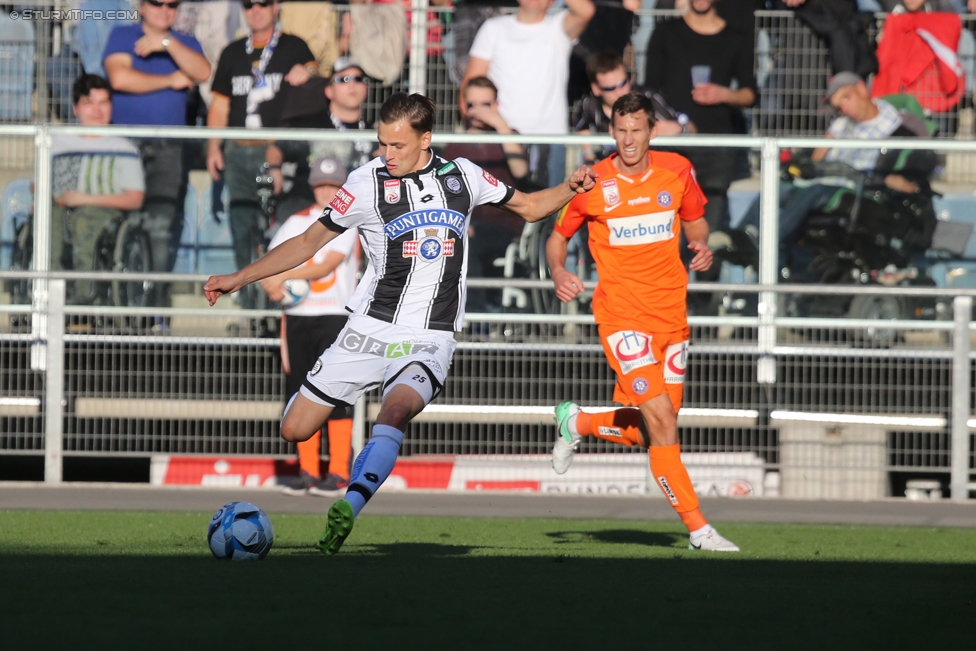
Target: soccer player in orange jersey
{"points": [[635, 224]]}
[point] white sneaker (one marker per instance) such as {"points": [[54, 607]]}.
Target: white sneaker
{"points": [[567, 441], [712, 541]]}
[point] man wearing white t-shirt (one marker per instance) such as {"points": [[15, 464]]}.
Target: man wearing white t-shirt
{"points": [[312, 325], [527, 58]]}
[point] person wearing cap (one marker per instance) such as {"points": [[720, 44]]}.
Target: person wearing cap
{"points": [[333, 102], [312, 325], [829, 169], [251, 72]]}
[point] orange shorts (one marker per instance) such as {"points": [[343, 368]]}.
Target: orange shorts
{"points": [[646, 364]]}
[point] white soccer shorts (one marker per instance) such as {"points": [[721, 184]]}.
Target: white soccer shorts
{"points": [[370, 353]]}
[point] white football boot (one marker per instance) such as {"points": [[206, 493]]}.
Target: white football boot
{"points": [[567, 441], [710, 540]]}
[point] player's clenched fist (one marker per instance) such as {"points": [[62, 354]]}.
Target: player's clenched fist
{"points": [[568, 285], [218, 285], [703, 256], [582, 180]]}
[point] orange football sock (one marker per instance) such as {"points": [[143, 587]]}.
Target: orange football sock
{"points": [[672, 477], [340, 446], [310, 454], [617, 426]]}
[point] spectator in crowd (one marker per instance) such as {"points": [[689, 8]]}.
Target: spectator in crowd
{"points": [[491, 229], [468, 17], [526, 55], [609, 81], [96, 179], [312, 325], [608, 31], [152, 69], [860, 118], [335, 102], [246, 93], [918, 54], [693, 62], [843, 27], [913, 6]]}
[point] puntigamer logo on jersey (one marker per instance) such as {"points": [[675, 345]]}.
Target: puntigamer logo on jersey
{"points": [[438, 217], [641, 229]]}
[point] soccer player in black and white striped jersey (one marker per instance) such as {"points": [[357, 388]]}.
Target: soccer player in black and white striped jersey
{"points": [[412, 210]]}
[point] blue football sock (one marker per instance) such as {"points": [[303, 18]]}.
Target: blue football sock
{"points": [[373, 465]]}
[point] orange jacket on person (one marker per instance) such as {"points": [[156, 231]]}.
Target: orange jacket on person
{"points": [[917, 54]]}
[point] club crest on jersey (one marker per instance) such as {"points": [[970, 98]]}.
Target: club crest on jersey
{"points": [[488, 177], [391, 191], [437, 217], [611, 193], [632, 349], [429, 248], [341, 201], [453, 184], [664, 198]]}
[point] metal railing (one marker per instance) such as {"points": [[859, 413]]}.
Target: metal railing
{"points": [[116, 389]]}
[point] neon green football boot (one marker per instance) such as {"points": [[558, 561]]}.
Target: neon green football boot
{"points": [[338, 527], [567, 441]]}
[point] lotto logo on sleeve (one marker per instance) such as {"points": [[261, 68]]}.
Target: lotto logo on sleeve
{"points": [[488, 177], [675, 362], [341, 201], [631, 349]]}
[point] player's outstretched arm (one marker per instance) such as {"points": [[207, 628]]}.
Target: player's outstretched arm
{"points": [[696, 232], [568, 285], [538, 205], [288, 255]]}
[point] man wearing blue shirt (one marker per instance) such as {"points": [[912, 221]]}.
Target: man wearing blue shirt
{"points": [[152, 69]]}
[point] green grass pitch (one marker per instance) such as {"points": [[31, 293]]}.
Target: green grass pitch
{"points": [[116, 580]]}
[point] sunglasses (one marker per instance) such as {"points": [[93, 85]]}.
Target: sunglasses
{"points": [[169, 5], [610, 89], [346, 79], [471, 105], [247, 4]]}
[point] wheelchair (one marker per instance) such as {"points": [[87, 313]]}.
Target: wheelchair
{"points": [[863, 236], [123, 246], [866, 237]]}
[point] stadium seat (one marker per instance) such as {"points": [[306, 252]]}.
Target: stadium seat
{"points": [[186, 256], [739, 202], [214, 244], [17, 200], [90, 35], [17, 54]]}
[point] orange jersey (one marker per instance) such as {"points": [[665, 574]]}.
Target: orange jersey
{"points": [[634, 238]]}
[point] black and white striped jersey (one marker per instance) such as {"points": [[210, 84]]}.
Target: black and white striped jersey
{"points": [[415, 230]]}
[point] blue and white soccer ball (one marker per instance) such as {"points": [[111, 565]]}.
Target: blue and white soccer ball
{"points": [[295, 290], [240, 531]]}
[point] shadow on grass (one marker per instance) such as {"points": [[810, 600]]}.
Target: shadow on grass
{"points": [[424, 550], [622, 537], [433, 596]]}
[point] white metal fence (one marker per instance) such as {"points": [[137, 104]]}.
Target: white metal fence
{"points": [[801, 407]]}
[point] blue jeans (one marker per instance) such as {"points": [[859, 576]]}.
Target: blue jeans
{"points": [[795, 203]]}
